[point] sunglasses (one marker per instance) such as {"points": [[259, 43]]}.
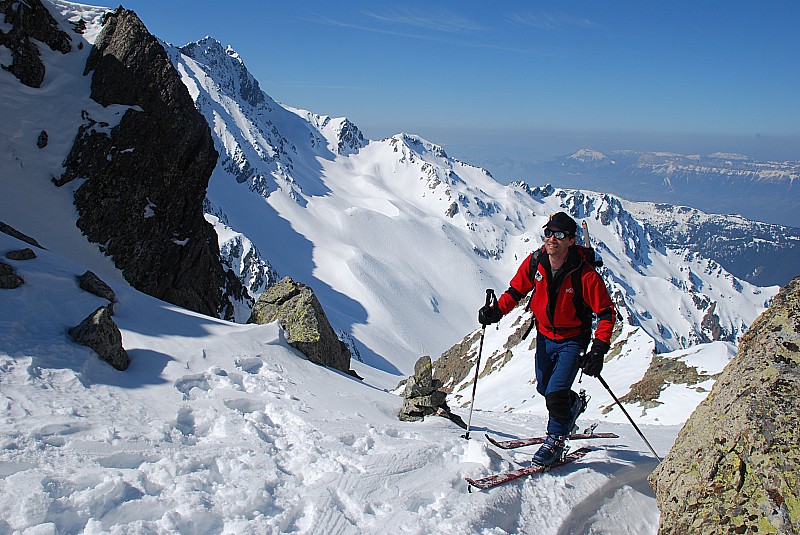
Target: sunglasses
{"points": [[559, 235]]}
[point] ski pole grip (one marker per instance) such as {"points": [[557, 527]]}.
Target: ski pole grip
{"points": [[490, 298]]}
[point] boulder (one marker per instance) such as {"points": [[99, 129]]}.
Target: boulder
{"points": [[8, 279], [92, 284], [41, 141], [423, 396], [735, 466], [99, 332], [22, 254], [300, 314]]}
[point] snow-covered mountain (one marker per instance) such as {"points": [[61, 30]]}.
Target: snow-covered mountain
{"points": [[395, 234], [219, 427], [761, 253], [716, 183]]}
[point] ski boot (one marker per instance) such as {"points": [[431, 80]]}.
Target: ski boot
{"points": [[578, 407], [551, 450]]}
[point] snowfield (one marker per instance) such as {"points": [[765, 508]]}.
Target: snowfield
{"points": [[224, 428]]}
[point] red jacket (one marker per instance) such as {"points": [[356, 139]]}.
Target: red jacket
{"points": [[557, 314]]}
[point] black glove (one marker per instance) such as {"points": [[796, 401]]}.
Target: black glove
{"points": [[489, 314], [592, 362]]}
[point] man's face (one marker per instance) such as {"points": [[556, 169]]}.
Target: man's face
{"points": [[554, 246]]}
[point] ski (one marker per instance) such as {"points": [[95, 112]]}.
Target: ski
{"points": [[494, 480], [521, 442]]}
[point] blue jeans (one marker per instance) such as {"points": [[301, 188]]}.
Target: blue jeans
{"points": [[556, 368]]}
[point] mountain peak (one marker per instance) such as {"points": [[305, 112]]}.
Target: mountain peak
{"points": [[228, 68], [588, 155], [419, 145]]}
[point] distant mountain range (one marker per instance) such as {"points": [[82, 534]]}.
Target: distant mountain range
{"points": [[719, 183]]}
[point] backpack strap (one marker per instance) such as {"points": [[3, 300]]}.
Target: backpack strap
{"points": [[533, 267], [582, 310]]}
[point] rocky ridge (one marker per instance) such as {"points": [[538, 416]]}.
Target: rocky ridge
{"points": [[146, 177], [735, 466], [30, 22]]}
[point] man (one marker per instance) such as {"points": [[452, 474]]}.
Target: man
{"points": [[567, 291]]}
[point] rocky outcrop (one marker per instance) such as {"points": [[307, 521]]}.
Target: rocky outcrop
{"points": [[11, 231], [30, 22], [661, 373], [454, 365], [299, 312], [99, 332], [147, 176], [423, 397], [735, 466], [8, 278]]}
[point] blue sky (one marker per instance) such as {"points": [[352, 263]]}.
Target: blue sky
{"points": [[524, 80]]}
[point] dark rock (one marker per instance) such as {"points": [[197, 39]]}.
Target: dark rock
{"points": [[300, 314], [160, 156], [9, 279], [11, 231], [22, 254], [30, 21], [735, 465], [92, 284], [99, 332], [41, 141]]}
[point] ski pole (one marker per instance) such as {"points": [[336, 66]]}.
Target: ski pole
{"points": [[587, 243], [603, 382], [490, 299]]}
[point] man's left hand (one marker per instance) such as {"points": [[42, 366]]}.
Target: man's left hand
{"points": [[592, 362]]}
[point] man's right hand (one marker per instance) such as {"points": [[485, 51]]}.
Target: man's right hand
{"points": [[489, 314]]}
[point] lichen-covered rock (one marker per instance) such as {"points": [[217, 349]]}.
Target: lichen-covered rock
{"points": [[421, 383], [300, 314], [99, 332], [735, 466], [94, 285], [423, 397]]}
